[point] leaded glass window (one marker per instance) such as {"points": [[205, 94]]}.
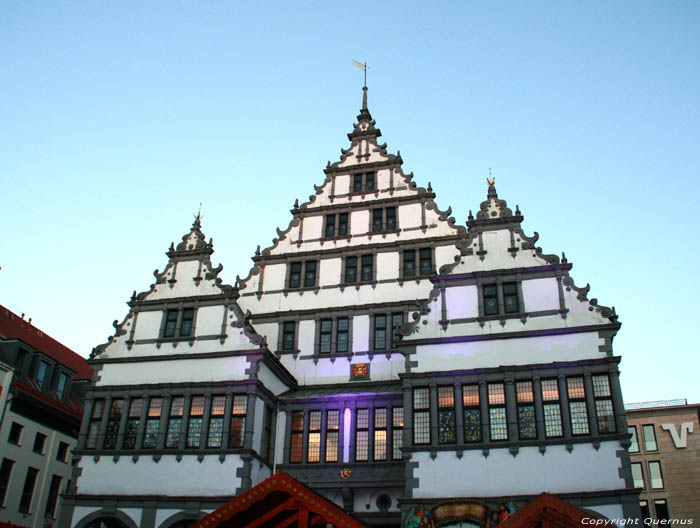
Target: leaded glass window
{"points": [[526, 410], [150, 438], [472, 413], [115, 417], [380, 332], [132, 423], [216, 421], [351, 269], [362, 435], [297, 436], [447, 430], [332, 425], [421, 416], [175, 422], [238, 412], [380, 430], [194, 428], [577, 406], [497, 411], [603, 404], [367, 268], [510, 298], [314, 451], [326, 332], [342, 334], [397, 432], [552, 408], [490, 300]]}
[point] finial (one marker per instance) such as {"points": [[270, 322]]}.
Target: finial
{"points": [[517, 210], [172, 246], [490, 180], [199, 212], [563, 258], [296, 203], [257, 251], [362, 66], [430, 187], [364, 98], [471, 216]]}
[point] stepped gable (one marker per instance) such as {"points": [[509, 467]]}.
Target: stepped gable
{"points": [[189, 276], [495, 215], [364, 154]]}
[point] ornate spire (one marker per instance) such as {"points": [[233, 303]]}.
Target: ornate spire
{"points": [[494, 209], [364, 128], [193, 244]]}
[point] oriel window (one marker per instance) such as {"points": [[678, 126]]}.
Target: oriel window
{"points": [[577, 406], [297, 436], [397, 432], [526, 410], [421, 416], [115, 417], [447, 428], [552, 408], [150, 438], [362, 435], [472, 413], [497, 411], [132, 423], [332, 425], [603, 404], [314, 450]]}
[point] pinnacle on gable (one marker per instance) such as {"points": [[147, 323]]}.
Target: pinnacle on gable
{"points": [[493, 208], [365, 126], [193, 244]]}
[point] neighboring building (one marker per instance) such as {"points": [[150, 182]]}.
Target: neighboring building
{"points": [[665, 457], [377, 352], [42, 383]]}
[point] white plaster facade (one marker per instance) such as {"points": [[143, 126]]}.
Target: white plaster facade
{"points": [[335, 351]]}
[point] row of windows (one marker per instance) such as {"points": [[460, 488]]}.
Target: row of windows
{"points": [[39, 446], [656, 479], [526, 411], [170, 424], [333, 334], [30, 481], [45, 376], [378, 435], [660, 509], [649, 437], [338, 224]]}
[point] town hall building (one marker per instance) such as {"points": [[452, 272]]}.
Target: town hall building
{"points": [[403, 367]]}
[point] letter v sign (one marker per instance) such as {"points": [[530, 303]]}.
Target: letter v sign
{"points": [[682, 441]]}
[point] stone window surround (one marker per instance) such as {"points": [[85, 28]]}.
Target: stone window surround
{"points": [[510, 377], [358, 253], [390, 331], [336, 236], [180, 306], [280, 336], [302, 260], [499, 281], [384, 231], [363, 173], [418, 276], [334, 335], [208, 390], [387, 401]]}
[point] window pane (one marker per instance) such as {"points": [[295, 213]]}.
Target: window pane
{"points": [[332, 420], [655, 479], [177, 405], [295, 453], [446, 396], [409, 263], [216, 431], [575, 388], [526, 422], [497, 395], [579, 418], [649, 438], [472, 425], [380, 444], [298, 421], [351, 269], [552, 420], [240, 404], [421, 398], [174, 428], [314, 452], [470, 395], [446, 427], [330, 226], [369, 181], [357, 183], [397, 417], [391, 217], [187, 318], [397, 439], [510, 298], [490, 300], [601, 386], [377, 220], [236, 434], [421, 427], [524, 391], [661, 508], [634, 443], [499, 427], [362, 418], [426, 261], [310, 274], [332, 446], [295, 275], [315, 421], [197, 406], [362, 446], [606, 418], [342, 224], [644, 506], [155, 406], [218, 404], [170, 323], [194, 432], [380, 418], [151, 433], [367, 268], [637, 475], [550, 390]]}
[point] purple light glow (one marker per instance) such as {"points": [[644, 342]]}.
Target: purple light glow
{"points": [[346, 435]]}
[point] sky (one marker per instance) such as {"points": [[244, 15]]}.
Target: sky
{"points": [[119, 118]]}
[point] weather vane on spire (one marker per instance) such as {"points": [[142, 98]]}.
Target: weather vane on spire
{"points": [[490, 180], [199, 213], [363, 67]]}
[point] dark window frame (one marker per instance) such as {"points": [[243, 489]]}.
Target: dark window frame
{"points": [[303, 274], [179, 323], [361, 183], [15, 435], [39, 446], [387, 327], [504, 293], [417, 263], [525, 404], [471, 405], [336, 225], [25, 502], [652, 428], [500, 434], [384, 220], [447, 415]]}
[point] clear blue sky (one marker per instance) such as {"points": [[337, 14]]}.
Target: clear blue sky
{"points": [[119, 118]]}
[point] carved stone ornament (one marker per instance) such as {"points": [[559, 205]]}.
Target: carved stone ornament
{"points": [[345, 473]]}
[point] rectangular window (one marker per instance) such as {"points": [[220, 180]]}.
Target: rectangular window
{"points": [[390, 218], [62, 452], [330, 226], [15, 433], [187, 320], [357, 183], [421, 416], [603, 404], [447, 429], [510, 298], [377, 220], [25, 500], [61, 385], [314, 451], [5, 474], [637, 475], [238, 412], [326, 332], [194, 426], [266, 440], [351, 270], [396, 322], [341, 336], [132, 423], [409, 263], [170, 323], [363, 182], [379, 332], [472, 413], [310, 274], [369, 181], [362, 435], [297, 436], [113, 421], [644, 506], [426, 261], [497, 411], [367, 272], [526, 410], [656, 479], [332, 425], [52, 497], [295, 275], [634, 442], [155, 407], [95, 424], [661, 508], [380, 433], [216, 421], [577, 406], [552, 408], [288, 331], [41, 371], [490, 300], [343, 224], [177, 405], [39, 443], [649, 438], [397, 432]]}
